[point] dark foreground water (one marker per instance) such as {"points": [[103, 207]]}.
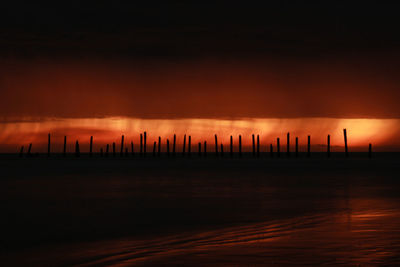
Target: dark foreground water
{"points": [[197, 212]]}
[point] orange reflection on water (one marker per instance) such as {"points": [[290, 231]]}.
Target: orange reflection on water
{"points": [[380, 132], [364, 236]]}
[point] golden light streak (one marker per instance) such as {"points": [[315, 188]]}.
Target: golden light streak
{"points": [[380, 132]]}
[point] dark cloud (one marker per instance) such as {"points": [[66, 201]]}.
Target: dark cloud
{"points": [[201, 89], [183, 31], [228, 59]]}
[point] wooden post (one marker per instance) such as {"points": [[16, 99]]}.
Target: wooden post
{"points": [[168, 147], [154, 149], [308, 146], [254, 148], [159, 146], [184, 145], [173, 146], [370, 150], [189, 145], [329, 146], [271, 150], [216, 145], [29, 150], [240, 146], [345, 143], [222, 150], [122, 145], [258, 145], [144, 144], [205, 148], [141, 145], [48, 146], [77, 151], [21, 152], [288, 144], [113, 149], [107, 150], [231, 147], [101, 152], [297, 147], [132, 151], [65, 146], [199, 149], [91, 146], [278, 148]]}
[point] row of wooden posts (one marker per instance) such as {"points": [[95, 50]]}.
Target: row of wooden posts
{"points": [[143, 146]]}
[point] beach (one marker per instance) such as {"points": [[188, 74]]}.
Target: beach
{"points": [[200, 211]]}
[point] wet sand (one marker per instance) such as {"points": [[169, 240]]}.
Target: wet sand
{"points": [[196, 211]]}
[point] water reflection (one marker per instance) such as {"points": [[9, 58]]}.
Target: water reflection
{"points": [[322, 239], [226, 213]]}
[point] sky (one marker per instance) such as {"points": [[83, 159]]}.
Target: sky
{"points": [[214, 62]]}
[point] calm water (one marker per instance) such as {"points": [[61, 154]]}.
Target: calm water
{"points": [[200, 211]]}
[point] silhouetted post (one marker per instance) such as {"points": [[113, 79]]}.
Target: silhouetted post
{"points": [[222, 150], [168, 147], [297, 147], [216, 145], [288, 144], [199, 149], [173, 146], [308, 146], [132, 151], [21, 152], [154, 149], [278, 148], [345, 143], [122, 145], [113, 149], [65, 146], [258, 145], [189, 145], [231, 147], [77, 151], [240, 146], [370, 151], [101, 152], [91, 146], [254, 146], [48, 146], [107, 150], [271, 150], [141, 145], [144, 144], [184, 145], [205, 148], [329, 146], [159, 146], [29, 150]]}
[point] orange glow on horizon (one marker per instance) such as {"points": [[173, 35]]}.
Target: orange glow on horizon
{"points": [[379, 132]]}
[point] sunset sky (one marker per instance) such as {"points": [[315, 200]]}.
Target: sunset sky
{"points": [[200, 69]]}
